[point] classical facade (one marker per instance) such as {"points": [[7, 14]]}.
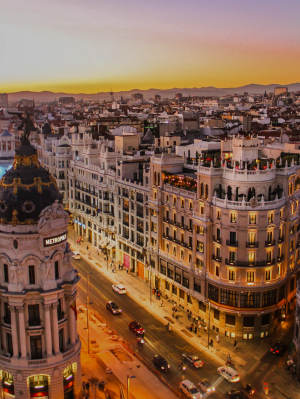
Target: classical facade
{"points": [[227, 237], [40, 347]]}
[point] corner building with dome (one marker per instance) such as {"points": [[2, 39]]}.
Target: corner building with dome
{"points": [[40, 347]]}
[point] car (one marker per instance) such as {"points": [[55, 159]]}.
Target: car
{"points": [[189, 389], [136, 328], [193, 360], [161, 363], [120, 289], [113, 308], [235, 394], [229, 374], [76, 255], [206, 386], [277, 348]]}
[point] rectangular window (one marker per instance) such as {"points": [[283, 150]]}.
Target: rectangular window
{"points": [[229, 297], [248, 322], [7, 314], [34, 315], [178, 278], [218, 215], [181, 294], [197, 287], [232, 257], [250, 299], [61, 340], [174, 290], [232, 237], [217, 271], [230, 319], [265, 319], [250, 277], [167, 286], [170, 274], [268, 275], [231, 275], [185, 282], [233, 218], [216, 314], [56, 270], [9, 344], [31, 275], [36, 347], [5, 272], [60, 313], [213, 292], [163, 270], [270, 217], [269, 298], [200, 246], [252, 218]]}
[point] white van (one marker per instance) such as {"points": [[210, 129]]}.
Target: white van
{"points": [[120, 289], [230, 374]]}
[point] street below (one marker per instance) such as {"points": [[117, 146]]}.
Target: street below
{"points": [[169, 344]]}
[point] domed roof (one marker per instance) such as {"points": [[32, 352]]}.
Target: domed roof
{"points": [[26, 189], [6, 133], [46, 128]]}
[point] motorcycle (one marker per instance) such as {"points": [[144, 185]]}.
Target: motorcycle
{"points": [[249, 389], [230, 363], [140, 341], [168, 327], [182, 367]]}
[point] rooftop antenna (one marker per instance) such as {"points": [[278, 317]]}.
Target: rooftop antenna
{"points": [[111, 95]]}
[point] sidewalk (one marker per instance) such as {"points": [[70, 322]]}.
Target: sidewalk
{"points": [[108, 354], [253, 351]]}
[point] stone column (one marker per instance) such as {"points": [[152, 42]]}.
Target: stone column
{"points": [[22, 331], [55, 328], [48, 330], [72, 323], [14, 332]]}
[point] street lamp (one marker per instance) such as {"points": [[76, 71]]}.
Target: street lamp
{"points": [[208, 323], [87, 308], [128, 377], [144, 253]]}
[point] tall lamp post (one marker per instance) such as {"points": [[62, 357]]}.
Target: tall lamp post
{"points": [[208, 323], [87, 308], [144, 253], [128, 378]]}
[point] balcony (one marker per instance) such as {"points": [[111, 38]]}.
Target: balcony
{"points": [[217, 239], [281, 239], [216, 258], [232, 243], [270, 243], [280, 258], [262, 263], [253, 244]]}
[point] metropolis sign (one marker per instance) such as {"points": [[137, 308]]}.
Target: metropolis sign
{"points": [[48, 242]]}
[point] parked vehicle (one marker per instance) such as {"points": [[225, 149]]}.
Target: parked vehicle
{"points": [[76, 255]]}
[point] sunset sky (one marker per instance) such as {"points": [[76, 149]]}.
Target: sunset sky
{"points": [[95, 45]]}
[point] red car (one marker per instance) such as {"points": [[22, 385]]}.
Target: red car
{"points": [[135, 327]]}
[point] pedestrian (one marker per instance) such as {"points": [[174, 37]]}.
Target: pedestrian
{"points": [[234, 344], [161, 302], [218, 338], [87, 247], [211, 342], [87, 386], [173, 314], [119, 266], [113, 270], [196, 328], [205, 329], [83, 387], [199, 327], [127, 271]]}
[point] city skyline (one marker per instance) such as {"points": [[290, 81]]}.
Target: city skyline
{"points": [[94, 46]]}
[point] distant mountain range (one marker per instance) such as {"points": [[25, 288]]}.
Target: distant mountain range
{"points": [[168, 93]]}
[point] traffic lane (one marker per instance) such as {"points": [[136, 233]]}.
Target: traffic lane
{"points": [[158, 340]]}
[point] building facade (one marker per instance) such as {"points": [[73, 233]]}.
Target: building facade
{"points": [[40, 347], [227, 238]]}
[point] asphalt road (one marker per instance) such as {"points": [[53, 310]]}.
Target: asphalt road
{"points": [[158, 339]]}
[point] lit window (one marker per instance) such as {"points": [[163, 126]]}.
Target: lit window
{"points": [[270, 217], [231, 275], [252, 218], [268, 275], [219, 215], [233, 217]]}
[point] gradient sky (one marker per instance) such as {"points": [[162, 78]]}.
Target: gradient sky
{"points": [[95, 45]]}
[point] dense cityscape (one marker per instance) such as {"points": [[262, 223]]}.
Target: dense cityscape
{"points": [[187, 205]]}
